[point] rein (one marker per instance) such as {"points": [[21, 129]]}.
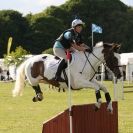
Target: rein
{"points": [[89, 61], [91, 64]]}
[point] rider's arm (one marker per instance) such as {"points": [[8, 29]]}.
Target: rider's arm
{"points": [[77, 47], [68, 36]]}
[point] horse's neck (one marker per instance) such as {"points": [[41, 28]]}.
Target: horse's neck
{"points": [[98, 53], [90, 60], [97, 58], [93, 57]]}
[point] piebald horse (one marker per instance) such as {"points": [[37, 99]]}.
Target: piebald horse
{"points": [[83, 68]]}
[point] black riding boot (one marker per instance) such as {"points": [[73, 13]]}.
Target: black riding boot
{"points": [[59, 71]]}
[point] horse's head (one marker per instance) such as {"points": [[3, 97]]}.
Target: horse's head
{"points": [[112, 58]]}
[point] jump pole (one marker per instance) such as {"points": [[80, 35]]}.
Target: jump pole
{"points": [[69, 93]]}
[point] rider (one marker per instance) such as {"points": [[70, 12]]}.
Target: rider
{"points": [[68, 40]]}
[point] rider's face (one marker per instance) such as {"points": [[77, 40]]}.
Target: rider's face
{"points": [[78, 28]]}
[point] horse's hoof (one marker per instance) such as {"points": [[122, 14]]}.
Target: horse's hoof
{"points": [[110, 108], [96, 109], [40, 96], [110, 111], [97, 106], [35, 99], [40, 99]]}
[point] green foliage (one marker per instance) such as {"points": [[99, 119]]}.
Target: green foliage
{"points": [[48, 51], [44, 31], [38, 32], [11, 24], [15, 57], [58, 12]]}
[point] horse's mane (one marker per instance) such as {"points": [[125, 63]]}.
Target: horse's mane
{"points": [[100, 44]]}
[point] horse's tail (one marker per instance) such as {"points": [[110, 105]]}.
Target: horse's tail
{"points": [[20, 80]]}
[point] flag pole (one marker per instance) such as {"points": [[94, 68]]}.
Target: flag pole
{"points": [[92, 39], [96, 29], [69, 93]]}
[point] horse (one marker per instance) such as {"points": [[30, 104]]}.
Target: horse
{"points": [[83, 67]]}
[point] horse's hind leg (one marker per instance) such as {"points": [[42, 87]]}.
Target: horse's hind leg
{"points": [[39, 94]]}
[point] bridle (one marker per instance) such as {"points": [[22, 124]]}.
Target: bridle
{"points": [[95, 71], [87, 60]]}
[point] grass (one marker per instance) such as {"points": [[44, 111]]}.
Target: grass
{"points": [[21, 115]]}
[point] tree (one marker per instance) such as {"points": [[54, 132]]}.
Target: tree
{"points": [[38, 32], [44, 31], [15, 57], [48, 51], [11, 24]]}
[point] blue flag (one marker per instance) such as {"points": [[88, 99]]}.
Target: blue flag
{"points": [[96, 28]]}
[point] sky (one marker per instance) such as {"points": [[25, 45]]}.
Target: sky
{"points": [[36, 6], [28, 6]]}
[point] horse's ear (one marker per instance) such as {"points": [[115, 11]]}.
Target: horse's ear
{"points": [[107, 45], [116, 47]]}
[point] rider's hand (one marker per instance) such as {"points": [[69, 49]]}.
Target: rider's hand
{"points": [[88, 50], [79, 48], [82, 48]]}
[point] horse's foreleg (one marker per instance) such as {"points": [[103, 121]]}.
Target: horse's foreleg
{"points": [[99, 100], [107, 96], [91, 84], [39, 94], [109, 102]]}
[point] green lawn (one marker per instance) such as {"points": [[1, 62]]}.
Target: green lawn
{"points": [[21, 115]]}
